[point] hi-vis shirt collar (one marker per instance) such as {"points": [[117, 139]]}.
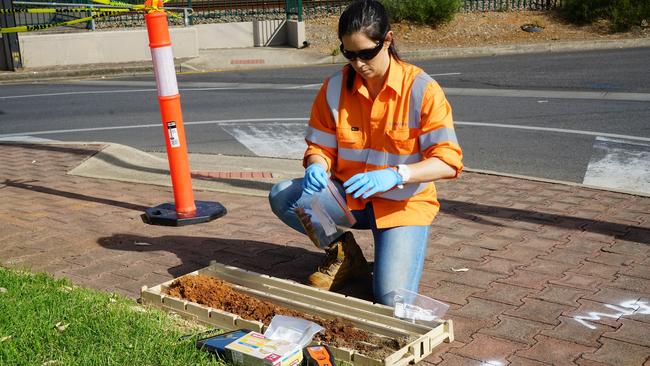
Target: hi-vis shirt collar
{"points": [[393, 80]]}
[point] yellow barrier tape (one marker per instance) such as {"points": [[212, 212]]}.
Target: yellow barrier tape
{"points": [[148, 9], [116, 8], [29, 28], [67, 10], [120, 4]]}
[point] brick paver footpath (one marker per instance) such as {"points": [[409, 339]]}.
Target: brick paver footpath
{"points": [[556, 274]]}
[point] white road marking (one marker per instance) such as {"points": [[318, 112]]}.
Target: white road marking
{"points": [[445, 74], [619, 164], [548, 94], [474, 92], [625, 308], [156, 125], [277, 140], [75, 93], [550, 129], [307, 86], [184, 88], [294, 119]]}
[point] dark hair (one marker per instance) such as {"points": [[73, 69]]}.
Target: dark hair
{"points": [[370, 18]]}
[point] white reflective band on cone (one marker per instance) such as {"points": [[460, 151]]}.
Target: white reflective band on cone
{"points": [[163, 65]]}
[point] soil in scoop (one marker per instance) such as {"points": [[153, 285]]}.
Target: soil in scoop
{"points": [[339, 332]]}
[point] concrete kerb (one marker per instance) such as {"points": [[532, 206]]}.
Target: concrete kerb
{"points": [[276, 57], [127, 164], [253, 58], [542, 47]]}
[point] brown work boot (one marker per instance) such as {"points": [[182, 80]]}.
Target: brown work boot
{"points": [[344, 260]]}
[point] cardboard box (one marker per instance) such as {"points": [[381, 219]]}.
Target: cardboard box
{"points": [[254, 349], [217, 344]]}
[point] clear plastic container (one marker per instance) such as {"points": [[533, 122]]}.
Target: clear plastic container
{"points": [[329, 215], [417, 308]]}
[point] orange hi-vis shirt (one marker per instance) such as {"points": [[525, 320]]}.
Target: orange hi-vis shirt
{"points": [[409, 121]]}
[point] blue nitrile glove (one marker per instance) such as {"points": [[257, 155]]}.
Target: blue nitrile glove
{"points": [[369, 183], [315, 179]]}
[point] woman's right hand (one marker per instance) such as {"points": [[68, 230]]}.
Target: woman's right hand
{"points": [[315, 179]]}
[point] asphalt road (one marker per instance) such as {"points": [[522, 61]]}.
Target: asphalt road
{"points": [[581, 117]]}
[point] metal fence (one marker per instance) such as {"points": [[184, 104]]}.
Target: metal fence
{"points": [[212, 11], [132, 19], [49, 18], [505, 5], [246, 10]]}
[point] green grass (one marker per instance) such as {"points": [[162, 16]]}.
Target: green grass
{"points": [[44, 321]]}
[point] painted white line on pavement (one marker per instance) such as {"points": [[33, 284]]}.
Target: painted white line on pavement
{"points": [[628, 307], [277, 140], [550, 94], [445, 74], [307, 86], [73, 130], [76, 93], [234, 87], [619, 164], [299, 119], [473, 92], [125, 127], [550, 129]]}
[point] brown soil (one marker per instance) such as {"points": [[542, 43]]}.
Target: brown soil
{"points": [[475, 29], [339, 332]]}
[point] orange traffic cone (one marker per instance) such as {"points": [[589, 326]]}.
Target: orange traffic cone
{"points": [[185, 211]]}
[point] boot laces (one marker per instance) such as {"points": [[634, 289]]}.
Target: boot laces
{"points": [[330, 263]]}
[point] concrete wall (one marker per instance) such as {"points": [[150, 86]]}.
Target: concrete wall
{"points": [[225, 35], [63, 49], [47, 50]]}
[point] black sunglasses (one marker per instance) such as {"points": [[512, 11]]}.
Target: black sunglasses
{"points": [[367, 54]]}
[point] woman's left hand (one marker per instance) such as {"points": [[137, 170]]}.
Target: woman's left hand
{"points": [[367, 184]]}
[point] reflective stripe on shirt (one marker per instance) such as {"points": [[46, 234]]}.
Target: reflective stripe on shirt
{"points": [[417, 94], [334, 94], [409, 190], [321, 138], [379, 158], [437, 136]]}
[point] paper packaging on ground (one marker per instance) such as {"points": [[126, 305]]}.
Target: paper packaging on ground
{"points": [[281, 344], [217, 344], [254, 349], [295, 330]]}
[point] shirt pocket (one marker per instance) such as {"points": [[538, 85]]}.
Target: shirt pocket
{"points": [[403, 138], [348, 135]]}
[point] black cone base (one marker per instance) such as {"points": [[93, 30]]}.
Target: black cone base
{"points": [[166, 215]]}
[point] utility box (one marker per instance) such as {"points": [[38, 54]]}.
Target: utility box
{"points": [[371, 317], [296, 33], [3, 52], [9, 43]]}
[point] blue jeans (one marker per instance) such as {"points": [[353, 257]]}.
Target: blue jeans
{"points": [[399, 251]]}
